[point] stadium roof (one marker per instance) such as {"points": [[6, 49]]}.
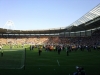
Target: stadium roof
{"points": [[88, 21], [48, 31]]}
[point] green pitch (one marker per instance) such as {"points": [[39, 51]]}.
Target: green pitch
{"points": [[50, 63]]}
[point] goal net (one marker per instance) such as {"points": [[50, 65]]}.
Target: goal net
{"points": [[12, 59]]}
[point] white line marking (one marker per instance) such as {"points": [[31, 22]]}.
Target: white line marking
{"points": [[1, 67], [61, 65], [21, 67], [12, 50], [58, 63]]}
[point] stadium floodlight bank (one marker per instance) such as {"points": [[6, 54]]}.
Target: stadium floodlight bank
{"points": [[12, 59]]}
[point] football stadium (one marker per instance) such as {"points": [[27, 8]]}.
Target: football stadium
{"points": [[70, 50]]}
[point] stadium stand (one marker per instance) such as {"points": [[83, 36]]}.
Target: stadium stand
{"points": [[84, 31], [83, 34]]}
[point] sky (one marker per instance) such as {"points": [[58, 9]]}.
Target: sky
{"points": [[42, 14]]}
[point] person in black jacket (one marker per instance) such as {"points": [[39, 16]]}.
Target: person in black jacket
{"points": [[40, 50], [59, 49]]}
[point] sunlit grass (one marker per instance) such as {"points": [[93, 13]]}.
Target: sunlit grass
{"points": [[51, 63]]}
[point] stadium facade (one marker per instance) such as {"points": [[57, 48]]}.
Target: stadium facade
{"points": [[84, 26]]}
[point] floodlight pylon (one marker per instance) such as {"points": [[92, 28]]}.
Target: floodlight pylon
{"points": [[9, 25]]}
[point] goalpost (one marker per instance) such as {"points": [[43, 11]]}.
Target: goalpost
{"points": [[13, 59]]}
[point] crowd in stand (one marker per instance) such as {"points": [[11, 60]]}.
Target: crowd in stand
{"points": [[75, 43]]}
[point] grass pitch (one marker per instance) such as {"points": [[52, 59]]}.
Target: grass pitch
{"points": [[50, 63]]}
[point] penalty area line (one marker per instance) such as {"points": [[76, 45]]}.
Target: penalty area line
{"points": [[20, 67], [61, 65]]}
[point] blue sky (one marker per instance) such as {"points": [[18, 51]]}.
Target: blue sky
{"points": [[43, 14]]}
